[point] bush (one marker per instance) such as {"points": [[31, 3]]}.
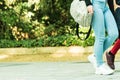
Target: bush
{"points": [[38, 23], [63, 40]]}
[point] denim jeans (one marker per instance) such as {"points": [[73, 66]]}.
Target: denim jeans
{"points": [[117, 18], [103, 21]]}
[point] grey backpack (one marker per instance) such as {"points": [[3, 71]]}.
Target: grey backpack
{"points": [[78, 11]]}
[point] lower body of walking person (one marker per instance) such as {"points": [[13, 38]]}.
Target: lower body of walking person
{"points": [[110, 56], [103, 21]]}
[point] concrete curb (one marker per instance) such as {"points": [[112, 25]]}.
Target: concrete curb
{"points": [[54, 52], [49, 50]]}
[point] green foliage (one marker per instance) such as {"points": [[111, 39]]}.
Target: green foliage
{"points": [[36, 23], [63, 40]]}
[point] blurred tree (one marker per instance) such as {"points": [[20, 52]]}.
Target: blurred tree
{"points": [[36, 19]]}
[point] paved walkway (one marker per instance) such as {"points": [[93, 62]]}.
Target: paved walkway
{"points": [[53, 71]]}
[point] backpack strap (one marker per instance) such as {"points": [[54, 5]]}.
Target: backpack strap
{"points": [[87, 33]]}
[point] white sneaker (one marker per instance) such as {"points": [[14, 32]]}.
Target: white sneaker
{"points": [[92, 60], [104, 70]]}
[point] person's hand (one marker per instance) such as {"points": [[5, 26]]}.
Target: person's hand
{"points": [[90, 9]]}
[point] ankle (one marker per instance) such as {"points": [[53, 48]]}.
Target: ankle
{"points": [[110, 53]]}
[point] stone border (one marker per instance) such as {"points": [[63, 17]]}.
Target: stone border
{"points": [[50, 50]]}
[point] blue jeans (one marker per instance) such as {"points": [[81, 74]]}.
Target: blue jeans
{"points": [[103, 21]]}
